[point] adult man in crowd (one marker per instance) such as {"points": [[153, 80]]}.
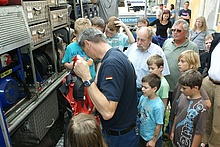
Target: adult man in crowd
{"points": [[211, 84], [173, 47], [114, 95], [139, 52], [107, 8], [185, 13], [159, 11]]}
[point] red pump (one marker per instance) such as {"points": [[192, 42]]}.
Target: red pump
{"points": [[3, 2], [76, 94]]}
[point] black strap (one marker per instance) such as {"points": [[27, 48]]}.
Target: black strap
{"points": [[195, 36], [117, 133]]}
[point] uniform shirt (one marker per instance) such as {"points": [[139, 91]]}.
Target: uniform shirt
{"points": [[139, 60], [116, 80]]}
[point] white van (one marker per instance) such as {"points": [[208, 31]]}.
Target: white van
{"points": [[137, 5]]}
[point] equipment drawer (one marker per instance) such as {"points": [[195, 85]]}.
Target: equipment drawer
{"points": [[41, 32], [38, 124], [35, 10], [59, 17]]}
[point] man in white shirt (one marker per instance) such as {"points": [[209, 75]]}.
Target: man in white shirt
{"points": [[139, 52], [211, 84], [159, 11]]}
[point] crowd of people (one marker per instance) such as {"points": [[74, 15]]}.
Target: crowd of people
{"points": [[134, 78]]}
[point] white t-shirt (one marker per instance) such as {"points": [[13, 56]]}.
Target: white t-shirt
{"points": [[214, 69], [158, 12]]}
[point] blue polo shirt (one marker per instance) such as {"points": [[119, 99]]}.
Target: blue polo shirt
{"points": [[117, 81]]}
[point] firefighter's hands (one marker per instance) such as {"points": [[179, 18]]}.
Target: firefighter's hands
{"points": [[81, 69]]}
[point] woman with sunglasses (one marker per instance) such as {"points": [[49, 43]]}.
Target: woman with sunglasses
{"points": [[198, 33]]}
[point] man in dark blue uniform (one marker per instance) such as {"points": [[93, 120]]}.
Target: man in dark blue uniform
{"points": [[114, 95]]}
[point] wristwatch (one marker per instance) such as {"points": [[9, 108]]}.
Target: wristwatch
{"points": [[87, 83]]}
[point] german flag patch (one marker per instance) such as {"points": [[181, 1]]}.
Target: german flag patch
{"points": [[108, 78]]}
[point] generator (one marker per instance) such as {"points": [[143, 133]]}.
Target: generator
{"points": [[12, 78]]}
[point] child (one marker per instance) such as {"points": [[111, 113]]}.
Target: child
{"points": [[204, 56], [190, 115], [187, 60], [116, 39], [155, 65], [151, 112], [74, 49], [98, 22], [84, 131]]}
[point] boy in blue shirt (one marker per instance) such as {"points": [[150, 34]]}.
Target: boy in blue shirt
{"points": [[116, 39], [74, 49], [151, 112]]}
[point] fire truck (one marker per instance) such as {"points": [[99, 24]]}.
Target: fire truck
{"points": [[33, 38]]}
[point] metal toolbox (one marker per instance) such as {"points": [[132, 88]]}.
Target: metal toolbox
{"points": [[38, 124], [41, 32], [59, 17], [35, 10]]}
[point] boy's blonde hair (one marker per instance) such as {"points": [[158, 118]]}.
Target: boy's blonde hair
{"points": [[111, 23], [209, 36], [192, 58], [155, 59], [80, 25]]}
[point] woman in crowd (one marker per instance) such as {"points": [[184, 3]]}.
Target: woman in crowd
{"points": [[198, 33], [163, 26]]}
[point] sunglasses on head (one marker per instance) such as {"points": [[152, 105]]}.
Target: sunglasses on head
{"points": [[177, 30]]}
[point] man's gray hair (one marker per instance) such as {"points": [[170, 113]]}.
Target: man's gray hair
{"points": [[185, 24], [91, 34], [148, 31]]}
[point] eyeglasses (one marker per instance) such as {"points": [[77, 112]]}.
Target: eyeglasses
{"points": [[199, 21], [208, 43], [177, 30]]}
